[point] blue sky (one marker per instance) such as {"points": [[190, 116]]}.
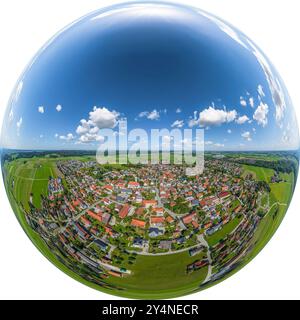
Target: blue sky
{"points": [[158, 66]]}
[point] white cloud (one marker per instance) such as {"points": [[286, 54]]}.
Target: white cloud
{"points": [[99, 118], [251, 102], [219, 145], [247, 136], [19, 124], [89, 137], [41, 109], [151, 115], [260, 114], [178, 110], [41, 136], [242, 119], [229, 131], [178, 124], [103, 118], [212, 116], [68, 137], [243, 102], [56, 135], [143, 114], [58, 108], [84, 127], [211, 143]]}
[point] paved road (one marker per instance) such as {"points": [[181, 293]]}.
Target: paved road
{"points": [[205, 244], [164, 253]]}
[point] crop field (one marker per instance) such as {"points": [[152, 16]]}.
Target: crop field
{"points": [[30, 177]]}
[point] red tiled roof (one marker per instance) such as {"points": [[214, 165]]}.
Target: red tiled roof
{"points": [[188, 218], [169, 219], [133, 183], [139, 211], [195, 224], [224, 194], [124, 211], [94, 215], [157, 220], [150, 202], [138, 223]]}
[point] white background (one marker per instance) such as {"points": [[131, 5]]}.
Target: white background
{"points": [[26, 25]]}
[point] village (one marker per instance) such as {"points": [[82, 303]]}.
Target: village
{"points": [[99, 218]]}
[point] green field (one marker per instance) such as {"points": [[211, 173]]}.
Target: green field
{"points": [[163, 276], [30, 177], [259, 173], [226, 229]]}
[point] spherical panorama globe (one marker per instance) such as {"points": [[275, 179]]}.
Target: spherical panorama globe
{"points": [[150, 150]]}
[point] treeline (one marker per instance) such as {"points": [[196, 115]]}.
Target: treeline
{"points": [[282, 165], [9, 155]]}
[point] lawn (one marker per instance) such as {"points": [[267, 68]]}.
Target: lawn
{"points": [[226, 229], [259, 173], [282, 191], [166, 273]]}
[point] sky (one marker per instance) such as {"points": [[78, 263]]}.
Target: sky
{"points": [[159, 67]]}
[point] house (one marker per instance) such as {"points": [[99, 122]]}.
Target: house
{"points": [[165, 244], [224, 194], [155, 232], [180, 240], [139, 243], [101, 244], [138, 223], [94, 215], [106, 218], [188, 218], [121, 198], [124, 211], [149, 203], [195, 202], [85, 221], [106, 201], [108, 188], [169, 219], [133, 185], [157, 221], [140, 211], [195, 224], [76, 203], [115, 273], [194, 251], [158, 211]]}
